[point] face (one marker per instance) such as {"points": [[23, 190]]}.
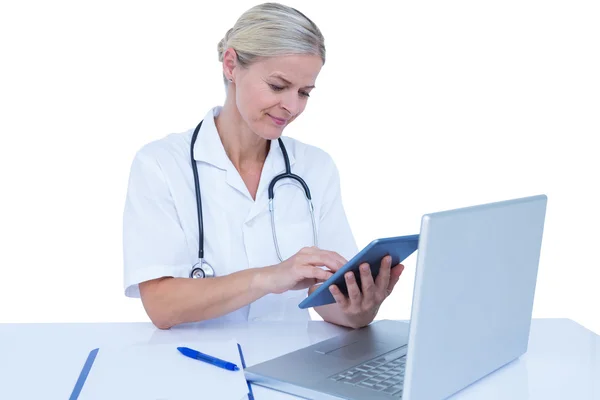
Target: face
{"points": [[273, 92]]}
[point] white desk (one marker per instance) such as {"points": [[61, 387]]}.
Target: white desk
{"points": [[43, 361]]}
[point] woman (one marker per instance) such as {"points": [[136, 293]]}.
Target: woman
{"points": [[271, 59]]}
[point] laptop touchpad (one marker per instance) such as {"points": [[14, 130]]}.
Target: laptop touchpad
{"points": [[362, 349]]}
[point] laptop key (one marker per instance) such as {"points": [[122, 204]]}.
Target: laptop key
{"points": [[395, 380], [385, 384], [366, 384], [371, 364], [354, 379], [393, 389]]}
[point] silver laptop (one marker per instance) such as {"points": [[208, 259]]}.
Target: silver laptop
{"points": [[472, 304]]}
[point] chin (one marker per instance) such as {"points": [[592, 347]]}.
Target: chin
{"points": [[273, 135], [269, 131]]}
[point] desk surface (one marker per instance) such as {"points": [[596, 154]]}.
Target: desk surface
{"points": [[43, 361]]}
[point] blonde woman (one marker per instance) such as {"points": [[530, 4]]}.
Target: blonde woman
{"points": [[213, 230]]}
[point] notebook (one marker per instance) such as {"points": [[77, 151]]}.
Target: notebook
{"points": [[161, 372]]}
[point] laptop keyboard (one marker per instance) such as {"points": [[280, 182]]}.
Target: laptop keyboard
{"points": [[383, 374]]}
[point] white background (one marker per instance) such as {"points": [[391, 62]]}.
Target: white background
{"points": [[425, 106]]}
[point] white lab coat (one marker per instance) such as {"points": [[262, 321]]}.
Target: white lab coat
{"points": [[160, 226]]}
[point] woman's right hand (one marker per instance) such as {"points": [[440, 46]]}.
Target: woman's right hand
{"points": [[301, 271]]}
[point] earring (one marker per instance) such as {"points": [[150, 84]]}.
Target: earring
{"points": [[230, 79]]}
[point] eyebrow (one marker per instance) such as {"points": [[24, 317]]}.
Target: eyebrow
{"points": [[288, 82]]}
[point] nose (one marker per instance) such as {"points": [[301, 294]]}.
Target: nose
{"points": [[291, 103]]}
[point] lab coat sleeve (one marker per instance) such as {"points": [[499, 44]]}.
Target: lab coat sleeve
{"points": [[335, 233], [154, 243]]}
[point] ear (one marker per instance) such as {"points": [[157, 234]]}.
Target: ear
{"points": [[229, 62]]}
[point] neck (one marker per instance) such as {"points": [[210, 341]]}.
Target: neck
{"points": [[243, 147]]}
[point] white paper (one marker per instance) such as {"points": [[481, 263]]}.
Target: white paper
{"points": [[161, 372]]}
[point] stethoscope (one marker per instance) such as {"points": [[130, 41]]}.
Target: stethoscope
{"points": [[202, 269]]}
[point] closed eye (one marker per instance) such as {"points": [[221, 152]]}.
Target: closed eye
{"points": [[275, 87], [279, 88]]}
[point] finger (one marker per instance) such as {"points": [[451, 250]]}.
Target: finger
{"points": [[319, 259], [335, 264], [340, 260], [337, 261], [383, 277], [367, 284], [395, 277], [339, 296], [353, 290], [319, 274]]}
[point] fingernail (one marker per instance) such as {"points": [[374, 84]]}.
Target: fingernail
{"points": [[350, 276], [364, 268], [332, 289]]}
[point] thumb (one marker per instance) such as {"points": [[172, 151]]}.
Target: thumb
{"points": [[395, 275]]}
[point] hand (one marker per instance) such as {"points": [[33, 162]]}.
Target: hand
{"points": [[360, 308], [302, 270]]}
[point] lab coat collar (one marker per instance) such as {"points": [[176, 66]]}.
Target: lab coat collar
{"points": [[274, 165], [209, 148], [275, 156]]}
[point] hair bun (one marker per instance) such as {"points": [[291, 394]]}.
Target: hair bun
{"points": [[222, 46]]}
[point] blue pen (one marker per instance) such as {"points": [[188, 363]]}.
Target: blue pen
{"points": [[217, 362]]}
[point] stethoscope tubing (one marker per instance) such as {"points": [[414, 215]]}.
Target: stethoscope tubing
{"points": [[202, 269]]}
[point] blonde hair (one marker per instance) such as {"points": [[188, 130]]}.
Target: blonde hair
{"points": [[272, 29]]}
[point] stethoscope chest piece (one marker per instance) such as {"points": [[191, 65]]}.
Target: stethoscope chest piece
{"points": [[202, 270]]}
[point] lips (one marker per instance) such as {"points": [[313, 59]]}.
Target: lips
{"points": [[278, 121]]}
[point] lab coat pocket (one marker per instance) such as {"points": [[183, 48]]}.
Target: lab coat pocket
{"points": [[290, 205], [291, 238]]}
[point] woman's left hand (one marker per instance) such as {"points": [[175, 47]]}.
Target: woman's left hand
{"points": [[360, 307]]}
